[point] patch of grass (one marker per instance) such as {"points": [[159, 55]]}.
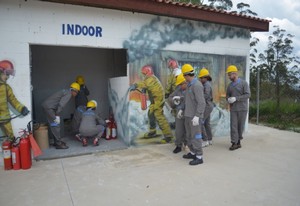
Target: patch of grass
{"points": [[287, 119]]}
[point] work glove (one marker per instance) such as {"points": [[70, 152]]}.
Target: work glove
{"points": [[132, 87], [57, 120], [176, 100], [24, 111], [231, 100], [180, 114], [195, 121]]}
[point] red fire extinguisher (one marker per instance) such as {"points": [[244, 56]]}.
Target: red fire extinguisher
{"points": [[15, 154], [25, 152], [113, 130], [6, 148], [108, 130], [143, 99]]}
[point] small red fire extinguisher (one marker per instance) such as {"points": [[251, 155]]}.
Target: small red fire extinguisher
{"points": [[143, 99], [25, 152], [15, 154], [108, 130], [114, 130], [6, 148]]}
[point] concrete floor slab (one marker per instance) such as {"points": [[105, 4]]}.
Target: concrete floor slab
{"points": [[265, 171]]}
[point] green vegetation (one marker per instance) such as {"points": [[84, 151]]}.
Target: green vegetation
{"points": [[287, 118]]}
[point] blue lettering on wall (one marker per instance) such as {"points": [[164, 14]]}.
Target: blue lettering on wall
{"points": [[75, 29]]}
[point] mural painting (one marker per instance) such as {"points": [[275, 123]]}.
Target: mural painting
{"points": [[8, 100], [145, 47]]}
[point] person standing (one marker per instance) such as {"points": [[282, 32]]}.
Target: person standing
{"points": [[53, 107], [171, 82], [7, 98], [174, 71], [205, 79], [237, 95], [193, 114], [176, 100], [91, 124], [81, 98], [157, 98]]}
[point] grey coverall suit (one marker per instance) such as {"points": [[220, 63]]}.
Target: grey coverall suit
{"points": [[53, 106], [77, 118], [206, 129], [180, 132], [239, 109], [194, 106], [91, 124]]}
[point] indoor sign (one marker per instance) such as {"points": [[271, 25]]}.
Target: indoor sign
{"points": [[75, 29]]}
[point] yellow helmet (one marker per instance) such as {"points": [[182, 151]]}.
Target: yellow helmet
{"points": [[231, 68], [75, 86], [80, 80], [96, 104], [91, 104], [180, 79], [203, 72], [187, 69]]}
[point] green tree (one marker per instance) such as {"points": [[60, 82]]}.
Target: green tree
{"points": [[244, 9], [278, 63]]}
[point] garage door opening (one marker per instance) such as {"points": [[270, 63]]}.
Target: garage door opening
{"points": [[55, 68]]}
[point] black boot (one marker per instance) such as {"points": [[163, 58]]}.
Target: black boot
{"points": [[234, 147], [176, 150], [189, 156], [196, 161]]}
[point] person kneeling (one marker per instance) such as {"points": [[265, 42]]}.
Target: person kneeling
{"points": [[91, 125]]}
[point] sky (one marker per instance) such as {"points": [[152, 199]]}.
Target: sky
{"points": [[284, 13]]}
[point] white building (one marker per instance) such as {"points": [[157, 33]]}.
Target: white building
{"points": [[51, 42]]}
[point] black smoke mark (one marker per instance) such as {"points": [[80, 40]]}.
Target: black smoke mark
{"points": [[160, 33]]}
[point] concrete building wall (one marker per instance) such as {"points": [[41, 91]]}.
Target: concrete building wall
{"points": [[25, 23]]}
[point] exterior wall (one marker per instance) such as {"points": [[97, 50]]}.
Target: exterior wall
{"points": [[35, 22]]}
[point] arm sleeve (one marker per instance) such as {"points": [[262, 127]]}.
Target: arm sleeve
{"points": [[207, 93], [246, 95], [13, 100], [199, 97], [63, 101], [141, 84]]}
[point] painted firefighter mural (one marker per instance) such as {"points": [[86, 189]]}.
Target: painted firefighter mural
{"points": [[147, 46], [7, 98]]}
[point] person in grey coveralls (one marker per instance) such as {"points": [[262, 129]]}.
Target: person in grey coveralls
{"points": [[91, 125], [176, 100], [53, 107], [193, 114], [237, 95], [205, 79]]}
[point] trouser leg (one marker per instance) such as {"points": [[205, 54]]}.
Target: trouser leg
{"points": [[208, 128], [179, 132], [55, 128], [194, 137], [7, 130], [152, 119], [234, 127], [241, 123], [162, 122]]}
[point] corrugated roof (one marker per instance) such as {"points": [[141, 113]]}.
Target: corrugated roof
{"points": [[177, 10]]}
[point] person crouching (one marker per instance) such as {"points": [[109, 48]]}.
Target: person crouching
{"points": [[91, 125]]}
